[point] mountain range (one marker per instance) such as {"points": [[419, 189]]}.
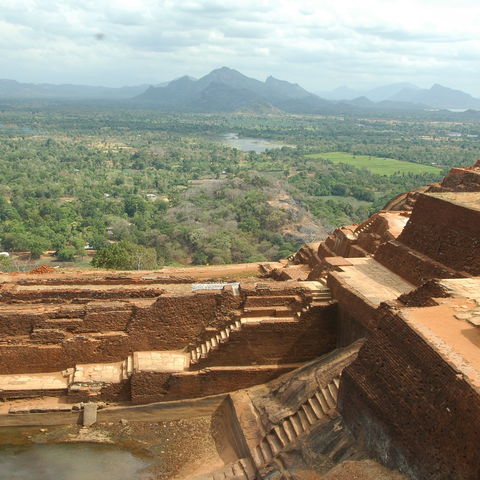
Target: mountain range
{"points": [[227, 90], [438, 96], [14, 89]]}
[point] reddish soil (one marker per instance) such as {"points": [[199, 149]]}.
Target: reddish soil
{"points": [[42, 269]]}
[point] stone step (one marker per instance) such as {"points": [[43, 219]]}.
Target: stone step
{"points": [[328, 397], [311, 417], [321, 400], [281, 435], [193, 356], [319, 298], [213, 343], [303, 419], [320, 303], [333, 391], [274, 444], [248, 468], [296, 423], [237, 471], [319, 291], [257, 456], [289, 430], [316, 407], [266, 450]]}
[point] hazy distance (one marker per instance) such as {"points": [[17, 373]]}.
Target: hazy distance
{"points": [[320, 45]]}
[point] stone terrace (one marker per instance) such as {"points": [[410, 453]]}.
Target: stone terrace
{"points": [[426, 361], [144, 337]]}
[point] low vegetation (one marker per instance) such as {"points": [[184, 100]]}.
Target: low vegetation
{"points": [[378, 165], [163, 184]]}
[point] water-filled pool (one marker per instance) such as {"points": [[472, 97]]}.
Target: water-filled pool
{"points": [[246, 144], [69, 461]]}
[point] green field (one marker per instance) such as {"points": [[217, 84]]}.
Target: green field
{"points": [[379, 165]]}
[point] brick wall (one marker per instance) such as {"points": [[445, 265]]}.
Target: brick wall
{"points": [[410, 409], [277, 342], [172, 322], [447, 232], [153, 387]]}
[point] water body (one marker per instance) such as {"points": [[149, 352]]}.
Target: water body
{"points": [[69, 461], [246, 144]]}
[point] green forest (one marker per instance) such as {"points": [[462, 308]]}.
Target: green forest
{"points": [[163, 189]]}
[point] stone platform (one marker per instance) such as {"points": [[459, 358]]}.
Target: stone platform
{"points": [[372, 280]]}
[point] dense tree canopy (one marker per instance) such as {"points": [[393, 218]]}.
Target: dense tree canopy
{"points": [[72, 178]]}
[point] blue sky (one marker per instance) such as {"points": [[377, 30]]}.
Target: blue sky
{"points": [[319, 44]]}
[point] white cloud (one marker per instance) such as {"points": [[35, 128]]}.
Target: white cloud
{"points": [[317, 44]]}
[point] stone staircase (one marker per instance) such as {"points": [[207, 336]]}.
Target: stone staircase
{"points": [[257, 309], [281, 436], [242, 469], [201, 351], [366, 225], [91, 378], [317, 293]]}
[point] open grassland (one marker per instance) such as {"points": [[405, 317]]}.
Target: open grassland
{"points": [[379, 165]]}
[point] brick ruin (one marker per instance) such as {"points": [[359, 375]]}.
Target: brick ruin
{"points": [[144, 338], [364, 347]]}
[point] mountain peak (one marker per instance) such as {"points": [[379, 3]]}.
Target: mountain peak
{"points": [[226, 89], [273, 80], [224, 71]]}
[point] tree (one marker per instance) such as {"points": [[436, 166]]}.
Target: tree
{"points": [[66, 253], [126, 255]]}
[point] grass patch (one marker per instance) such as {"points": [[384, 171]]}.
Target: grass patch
{"points": [[378, 165]]}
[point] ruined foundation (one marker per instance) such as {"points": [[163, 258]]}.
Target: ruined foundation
{"points": [[359, 357]]}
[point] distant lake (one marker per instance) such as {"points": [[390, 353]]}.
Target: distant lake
{"points": [[18, 129], [246, 144]]}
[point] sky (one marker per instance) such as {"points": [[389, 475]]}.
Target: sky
{"points": [[320, 44]]}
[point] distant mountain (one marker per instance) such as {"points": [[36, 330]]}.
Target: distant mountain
{"points": [[341, 93], [405, 96], [438, 97], [362, 102], [385, 92], [225, 90], [14, 89], [377, 94]]}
